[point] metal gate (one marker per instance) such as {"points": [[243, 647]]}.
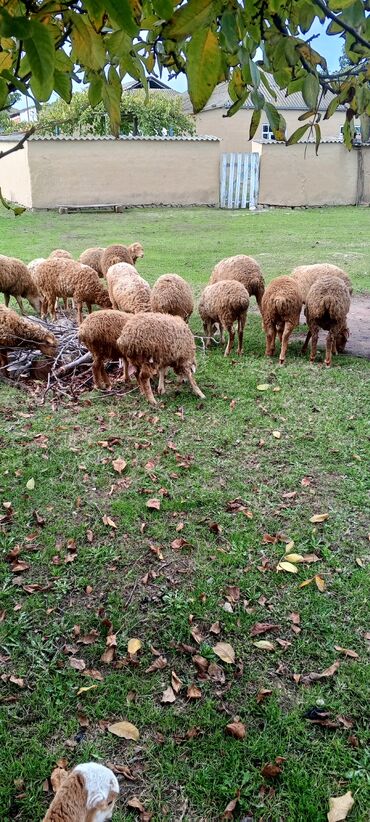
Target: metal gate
{"points": [[239, 183]]}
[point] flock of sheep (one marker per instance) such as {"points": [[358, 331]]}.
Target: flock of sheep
{"points": [[147, 328]]}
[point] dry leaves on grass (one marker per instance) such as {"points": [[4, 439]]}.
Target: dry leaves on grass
{"points": [[123, 770], [153, 504], [318, 580], [263, 628], [109, 521], [272, 769], [157, 665], [215, 628], [175, 682], [347, 652], [134, 645], [319, 517], [264, 645], [230, 808], [287, 566], [197, 635], [307, 679], [134, 802], [77, 664], [119, 465], [236, 729], [168, 695], [340, 806], [193, 692], [262, 694], [225, 651], [125, 730], [88, 688]]}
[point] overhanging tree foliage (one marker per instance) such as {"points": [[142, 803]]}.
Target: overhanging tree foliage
{"points": [[46, 43]]}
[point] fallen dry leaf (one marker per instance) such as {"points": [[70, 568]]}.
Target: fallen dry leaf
{"points": [[197, 635], [134, 645], [230, 808], [94, 674], [340, 806], [287, 566], [201, 663], [168, 695], [215, 628], [193, 692], [294, 558], [30, 484], [347, 652], [125, 730], [119, 465], [225, 652], [264, 386], [232, 593], [216, 673], [157, 665], [264, 645], [124, 770], [263, 628], [17, 681], [262, 694], [276, 434], [270, 770], [175, 682], [295, 618], [134, 802], [83, 690], [108, 656], [109, 521], [319, 517], [236, 729], [314, 677], [154, 504], [179, 543], [320, 583], [77, 664]]}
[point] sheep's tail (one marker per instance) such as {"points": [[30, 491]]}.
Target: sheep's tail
{"points": [[280, 302]]}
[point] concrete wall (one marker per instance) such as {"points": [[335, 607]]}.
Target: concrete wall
{"points": [[15, 180], [234, 131], [124, 172], [295, 176]]}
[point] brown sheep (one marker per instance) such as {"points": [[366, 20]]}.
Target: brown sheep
{"points": [[19, 332], [280, 308], [87, 794], [60, 252], [115, 254], [327, 305], [171, 294], [154, 342], [93, 256], [99, 332], [127, 290], [67, 278], [225, 303], [243, 269], [16, 281], [307, 275]]}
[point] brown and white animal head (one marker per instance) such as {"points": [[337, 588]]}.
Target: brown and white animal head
{"points": [[136, 250], [86, 794], [341, 340]]}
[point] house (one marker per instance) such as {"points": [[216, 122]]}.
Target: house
{"points": [[234, 131], [154, 84], [23, 115]]}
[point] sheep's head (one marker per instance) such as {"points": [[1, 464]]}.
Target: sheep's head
{"points": [[35, 300], [102, 791], [136, 250], [104, 300], [341, 339], [49, 345]]}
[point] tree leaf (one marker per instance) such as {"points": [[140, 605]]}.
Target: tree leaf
{"points": [[157, 665], [119, 465], [263, 628], [276, 121], [276, 434], [193, 692], [203, 66], [63, 85], [196, 14], [41, 58], [265, 386], [88, 47], [307, 679], [340, 806], [77, 664], [287, 566], [175, 682], [310, 90], [125, 730], [84, 690], [123, 13], [320, 583], [154, 504], [347, 652], [264, 645], [111, 96], [297, 134], [95, 92], [168, 695], [225, 652], [134, 645], [319, 517], [294, 558], [30, 484], [236, 729]]}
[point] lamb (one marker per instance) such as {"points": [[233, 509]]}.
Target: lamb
{"points": [[120, 254], [225, 303], [243, 269], [67, 278], [327, 305], [19, 332], [171, 294], [93, 256], [153, 342], [127, 290], [17, 281], [99, 332], [87, 794], [60, 252], [307, 275], [281, 307]]}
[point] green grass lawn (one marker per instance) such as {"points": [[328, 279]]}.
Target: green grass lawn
{"points": [[135, 581]]}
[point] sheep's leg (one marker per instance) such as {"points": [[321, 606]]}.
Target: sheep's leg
{"points": [[315, 337], [79, 312], [65, 303], [146, 390], [6, 299], [334, 349], [241, 325], [288, 328], [99, 380], [222, 338], [270, 340], [124, 366], [231, 333], [195, 388], [20, 303], [3, 363], [207, 327], [307, 340], [161, 385], [89, 308], [329, 348]]}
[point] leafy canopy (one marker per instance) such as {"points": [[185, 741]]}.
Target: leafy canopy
{"points": [[45, 43]]}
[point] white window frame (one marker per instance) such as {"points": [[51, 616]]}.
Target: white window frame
{"points": [[267, 133]]}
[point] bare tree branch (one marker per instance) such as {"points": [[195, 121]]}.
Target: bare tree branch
{"points": [[20, 143], [345, 26]]}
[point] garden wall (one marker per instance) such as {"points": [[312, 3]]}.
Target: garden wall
{"points": [[15, 181]]}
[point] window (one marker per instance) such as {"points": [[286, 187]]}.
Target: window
{"points": [[267, 133]]}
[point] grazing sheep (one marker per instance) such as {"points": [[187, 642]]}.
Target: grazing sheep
{"points": [[93, 256], [67, 278], [19, 332], [327, 305], [32, 267], [171, 294], [127, 290], [115, 254], [99, 332], [225, 303], [280, 308], [307, 275], [154, 342], [87, 794], [243, 269], [16, 281], [60, 252]]}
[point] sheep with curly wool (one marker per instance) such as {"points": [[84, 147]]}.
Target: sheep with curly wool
{"points": [[171, 294], [20, 332], [153, 343], [88, 793], [327, 305], [60, 252], [245, 270], [127, 290], [225, 303], [99, 332], [306, 275], [281, 307], [16, 281], [94, 256], [67, 278]]}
